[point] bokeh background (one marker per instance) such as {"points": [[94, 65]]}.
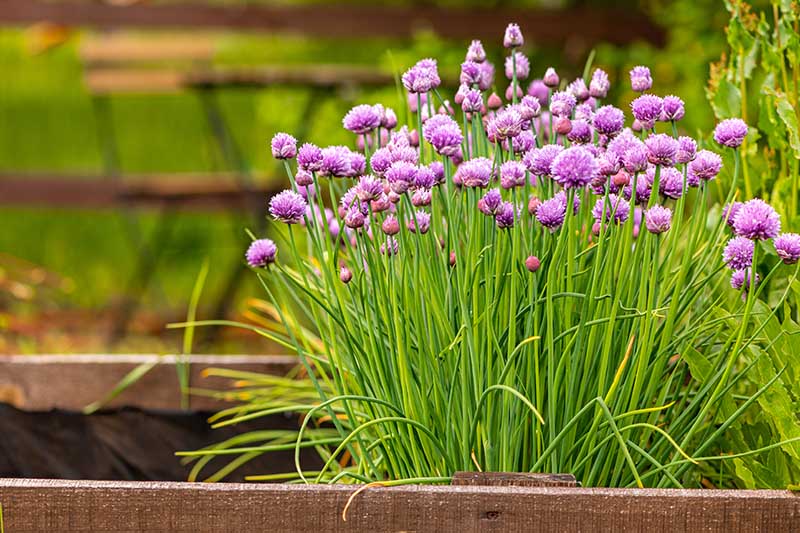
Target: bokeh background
{"points": [[79, 277]]}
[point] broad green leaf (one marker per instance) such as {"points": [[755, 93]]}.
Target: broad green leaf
{"points": [[789, 117], [727, 102]]}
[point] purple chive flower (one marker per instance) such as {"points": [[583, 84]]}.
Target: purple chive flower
{"points": [[646, 109], [562, 103], [658, 219], [362, 119], [505, 216], [513, 36], [491, 202], [401, 175], [354, 218], [470, 73], [540, 160], [487, 76], [381, 160], [524, 142], [532, 263], [522, 64], [369, 189], [644, 186], [608, 120], [584, 111], [424, 178], [635, 158], [730, 132], [475, 52], [437, 167], [757, 220], [389, 119], [738, 253], [670, 182], [422, 77], [309, 157], [538, 89], [443, 133], [705, 167], [494, 101], [551, 213], [350, 200], [787, 246], [599, 85], [661, 149], [741, 279], [390, 225], [288, 207], [729, 212], [506, 123], [574, 167], [550, 78], [616, 207], [579, 90], [530, 107], [473, 101], [672, 109], [358, 164], [580, 133], [261, 253], [284, 146], [687, 150], [303, 178], [512, 174], [335, 161], [345, 275], [421, 220], [476, 172], [640, 79], [421, 197]]}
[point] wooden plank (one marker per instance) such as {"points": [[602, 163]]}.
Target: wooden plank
{"points": [[71, 382], [133, 81], [514, 479], [134, 48], [202, 192], [31, 505], [553, 27]]}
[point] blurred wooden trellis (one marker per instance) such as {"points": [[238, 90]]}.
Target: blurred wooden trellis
{"points": [[117, 64]]}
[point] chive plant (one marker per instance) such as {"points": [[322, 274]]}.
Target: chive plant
{"points": [[528, 286]]}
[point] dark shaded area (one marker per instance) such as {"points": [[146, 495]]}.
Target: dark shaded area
{"points": [[126, 444]]}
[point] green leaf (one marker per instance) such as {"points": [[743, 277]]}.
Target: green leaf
{"points": [[727, 102], [130, 378], [789, 117]]}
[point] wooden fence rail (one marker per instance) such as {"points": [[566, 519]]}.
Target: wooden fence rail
{"points": [[49, 505], [586, 24]]}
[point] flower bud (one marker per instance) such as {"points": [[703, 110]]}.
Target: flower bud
{"points": [[562, 125], [532, 263], [345, 275]]}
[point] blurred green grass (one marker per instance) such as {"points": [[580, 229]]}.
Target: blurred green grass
{"points": [[48, 125]]}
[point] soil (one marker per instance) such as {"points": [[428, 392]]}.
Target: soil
{"points": [[126, 444]]}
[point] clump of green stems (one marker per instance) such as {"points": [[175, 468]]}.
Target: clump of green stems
{"points": [[622, 360]]}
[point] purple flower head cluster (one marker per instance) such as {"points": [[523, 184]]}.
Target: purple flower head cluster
{"points": [[640, 79], [506, 123], [551, 213], [288, 207], [787, 246], [687, 150], [529, 107], [738, 253], [580, 132], [617, 209], [505, 216], [662, 149], [513, 36], [757, 220], [284, 146], [512, 174], [422, 77], [391, 247], [444, 134], [340, 161], [599, 85], [421, 221], [472, 102], [551, 78], [491, 202], [540, 160], [647, 109], [401, 175], [519, 61], [578, 89], [471, 73], [670, 182], [574, 167], [475, 172], [729, 212], [309, 157], [369, 189], [740, 280], [731, 132], [424, 178], [672, 109], [522, 143], [562, 103], [362, 119], [658, 219], [261, 253], [705, 167], [608, 120], [475, 52]]}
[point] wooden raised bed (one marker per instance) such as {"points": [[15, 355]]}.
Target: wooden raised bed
{"points": [[474, 502]]}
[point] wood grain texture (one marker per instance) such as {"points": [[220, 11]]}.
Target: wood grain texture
{"points": [[71, 382], [513, 479], [553, 27], [46, 505]]}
